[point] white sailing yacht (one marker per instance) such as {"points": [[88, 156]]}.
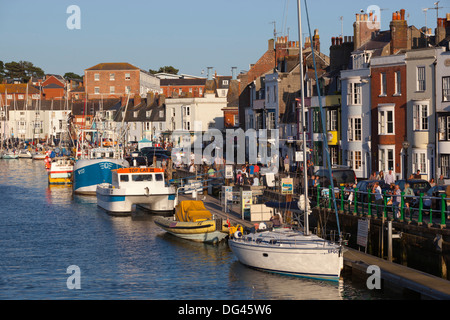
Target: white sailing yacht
{"points": [[286, 250]]}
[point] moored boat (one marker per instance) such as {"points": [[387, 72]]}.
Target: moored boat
{"points": [[142, 186], [10, 154], [25, 154], [39, 155], [290, 252], [96, 168], [192, 221], [60, 171]]}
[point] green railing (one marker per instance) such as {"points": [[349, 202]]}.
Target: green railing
{"points": [[365, 204]]}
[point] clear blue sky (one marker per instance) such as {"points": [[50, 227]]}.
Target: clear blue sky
{"points": [[189, 35]]}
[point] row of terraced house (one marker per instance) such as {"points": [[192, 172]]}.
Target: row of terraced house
{"points": [[385, 92]]}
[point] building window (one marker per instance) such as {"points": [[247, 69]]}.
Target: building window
{"points": [[420, 116], [355, 159], [334, 155], [332, 120], [386, 120], [382, 84], [386, 157], [112, 76], [187, 125], [200, 91], [354, 93], [446, 89], [127, 89], [444, 128], [354, 129], [97, 90], [398, 83], [187, 111], [420, 161], [112, 90], [271, 120], [127, 76], [445, 165], [97, 76], [420, 78]]}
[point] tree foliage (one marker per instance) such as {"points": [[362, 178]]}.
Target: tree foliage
{"points": [[166, 69], [71, 75], [22, 70]]}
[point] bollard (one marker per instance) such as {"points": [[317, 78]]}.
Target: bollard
{"points": [[442, 211], [420, 219], [355, 206], [318, 196], [329, 198], [402, 207]]}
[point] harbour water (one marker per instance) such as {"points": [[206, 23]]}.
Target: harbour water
{"points": [[44, 230]]}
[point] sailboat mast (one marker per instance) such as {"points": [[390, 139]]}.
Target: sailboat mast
{"points": [[302, 84]]}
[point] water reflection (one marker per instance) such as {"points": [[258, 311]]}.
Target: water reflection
{"points": [[264, 285]]}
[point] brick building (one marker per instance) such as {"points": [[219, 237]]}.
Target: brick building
{"points": [[388, 113], [114, 80]]}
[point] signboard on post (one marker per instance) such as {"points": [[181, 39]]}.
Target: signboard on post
{"points": [[363, 232], [287, 186], [228, 172], [246, 203]]}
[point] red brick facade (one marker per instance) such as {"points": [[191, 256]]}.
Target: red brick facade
{"points": [[112, 80], [391, 98]]}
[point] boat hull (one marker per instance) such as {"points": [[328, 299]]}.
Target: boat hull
{"points": [[117, 201], [88, 173], [200, 231], [10, 156], [307, 259]]}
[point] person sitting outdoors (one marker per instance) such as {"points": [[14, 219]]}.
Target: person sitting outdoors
{"points": [[276, 220], [409, 197]]}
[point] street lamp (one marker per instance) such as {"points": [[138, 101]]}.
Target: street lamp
{"points": [[405, 145]]}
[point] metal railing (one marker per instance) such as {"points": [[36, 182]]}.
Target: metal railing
{"points": [[364, 204]]}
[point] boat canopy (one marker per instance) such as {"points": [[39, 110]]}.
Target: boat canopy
{"points": [[192, 211]]}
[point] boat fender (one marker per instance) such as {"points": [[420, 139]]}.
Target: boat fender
{"points": [[237, 234], [262, 226]]}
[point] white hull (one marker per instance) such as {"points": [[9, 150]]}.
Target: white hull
{"points": [[297, 255], [39, 156], [213, 237], [120, 202], [25, 154]]}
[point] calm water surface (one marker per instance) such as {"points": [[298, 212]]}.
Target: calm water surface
{"points": [[44, 230]]}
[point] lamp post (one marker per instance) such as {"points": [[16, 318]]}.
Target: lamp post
{"points": [[405, 145]]}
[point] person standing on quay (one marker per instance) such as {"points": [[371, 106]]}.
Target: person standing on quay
{"points": [[390, 178], [378, 196], [286, 164]]}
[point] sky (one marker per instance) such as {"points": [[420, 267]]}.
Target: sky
{"points": [[188, 35]]}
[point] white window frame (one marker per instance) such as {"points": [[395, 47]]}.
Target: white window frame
{"points": [[112, 76], [353, 130], [397, 83], [386, 154], [127, 77], [421, 78], [112, 90], [96, 90], [354, 93], [383, 120], [355, 160], [96, 76], [421, 116], [332, 120], [383, 84], [420, 160], [445, 88]]}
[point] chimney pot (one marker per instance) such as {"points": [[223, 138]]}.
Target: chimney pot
{"points": [[402, 14], [357, 17], [333, 41]]}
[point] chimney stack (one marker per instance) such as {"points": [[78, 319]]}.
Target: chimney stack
{"points": [[364, 29], [399, 32]]}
